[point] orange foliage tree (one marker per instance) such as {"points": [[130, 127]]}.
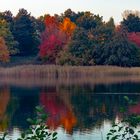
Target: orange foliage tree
{"points": [[4, 53], [67, 26]]}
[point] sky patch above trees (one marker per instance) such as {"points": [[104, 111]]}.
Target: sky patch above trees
{"points": [[105, 8]]}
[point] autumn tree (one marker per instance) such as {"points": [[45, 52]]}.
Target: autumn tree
{"points": [[55, 37], [8, 37], [67, 26], [4, 53], [134, 37], [51, 41]]}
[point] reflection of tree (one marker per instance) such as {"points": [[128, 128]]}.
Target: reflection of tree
{"points": [[81, 109], [60, 113], [27, 99], [4, 101], [120, 88], [134, 109], [92, 109]]}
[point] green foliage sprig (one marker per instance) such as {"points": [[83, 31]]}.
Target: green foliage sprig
{"points": [[38, 130], [126, 128]]}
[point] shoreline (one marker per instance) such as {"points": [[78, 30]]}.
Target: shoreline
{"points": [[53, 75], [56, 71]]}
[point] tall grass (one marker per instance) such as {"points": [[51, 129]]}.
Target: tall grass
{"points": [[55, 71], [39, 75]]}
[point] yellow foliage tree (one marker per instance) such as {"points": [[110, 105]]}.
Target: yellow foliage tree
{"points": [[4, 53], [67, 26]]}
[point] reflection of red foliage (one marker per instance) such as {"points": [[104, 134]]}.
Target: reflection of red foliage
{"points": [[135, 38], [4, 100], [60, 114], [134, 109]]}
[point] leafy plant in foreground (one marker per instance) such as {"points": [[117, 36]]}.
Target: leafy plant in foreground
{"points": [[126, 128], [38, 130]]}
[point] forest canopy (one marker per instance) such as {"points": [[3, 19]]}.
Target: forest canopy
{"points": [[71, 38]]}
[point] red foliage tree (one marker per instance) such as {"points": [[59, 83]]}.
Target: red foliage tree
{"points": [[54, 38], [135, 38]]}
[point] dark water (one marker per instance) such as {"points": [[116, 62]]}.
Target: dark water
{"points": [[76, 112]]}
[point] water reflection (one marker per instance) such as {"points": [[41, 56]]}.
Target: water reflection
{"points": [[4, 101], [76, 109], [59, 109]]}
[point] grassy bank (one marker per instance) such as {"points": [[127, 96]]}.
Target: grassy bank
{"points": [[42, 75], [55, 71]]}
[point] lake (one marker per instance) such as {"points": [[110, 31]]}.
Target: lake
{"points": [[77, 110]]}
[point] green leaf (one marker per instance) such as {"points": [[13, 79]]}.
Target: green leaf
{"points": [[54, 134], [136, 136], [126, 98], [120, 128], [109, 134], [114, 138], [122, 109], [39, 109], [23, 135], [54, 138], [131, 131]]}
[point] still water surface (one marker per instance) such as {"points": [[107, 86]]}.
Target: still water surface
{"points": [[76, 112]]}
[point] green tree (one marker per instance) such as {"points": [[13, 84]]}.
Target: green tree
{"points": [[102, 33], [25, 33], [99, 36], [70, 14], [78, 51], [131, 22], [8, 16], [88, 20], [86, 46], [8, 37], [40, 24], [119, 51]]}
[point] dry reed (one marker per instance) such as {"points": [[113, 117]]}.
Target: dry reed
{"points": [[42, 75]]}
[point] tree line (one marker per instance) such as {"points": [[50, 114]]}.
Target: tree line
{"points": [[81, 38]]}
